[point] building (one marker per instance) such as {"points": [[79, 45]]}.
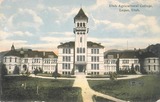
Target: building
{"points": [[151, 62], [81, 55], [110, 62], [29, 60], [122, 61], [129, 59]]}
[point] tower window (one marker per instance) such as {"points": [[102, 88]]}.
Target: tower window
{"points": [[84, 25], [80, 24], [77, 24]]}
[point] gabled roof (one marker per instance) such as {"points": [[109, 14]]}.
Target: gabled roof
{"points": [[129, 54], [67, 45], [81, 16], [13, 53], [147, 54], [94, 45], [114, 54], [71, 44], [31, 54]]}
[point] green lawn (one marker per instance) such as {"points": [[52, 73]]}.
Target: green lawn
{"points": [[50, 75], [48, 90], [100, 99], [144, 89]]}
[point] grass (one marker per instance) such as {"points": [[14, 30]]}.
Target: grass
{"points": [[100, 99], [50, 75], [144, 89], [48, 90], [102, 76]]}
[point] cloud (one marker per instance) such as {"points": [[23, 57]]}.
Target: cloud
{"points": [[1, 1], [3, 35], [20, 33], [147, 23], [149, 2], [56, 39], [6, 44], [61, 33], [23, 19]]}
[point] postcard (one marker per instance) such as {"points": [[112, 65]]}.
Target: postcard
{"points": [[80, 50]]}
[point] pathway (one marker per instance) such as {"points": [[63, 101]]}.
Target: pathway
{"points": [[87, 92]]}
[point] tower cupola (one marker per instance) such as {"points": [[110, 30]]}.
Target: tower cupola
{"points": [[81, 16]]}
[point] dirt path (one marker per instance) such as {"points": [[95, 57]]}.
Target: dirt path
{"points": [[87, 92]]}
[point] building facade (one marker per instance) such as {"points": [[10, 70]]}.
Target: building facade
{"points": [[81, 55], [29, 60]]}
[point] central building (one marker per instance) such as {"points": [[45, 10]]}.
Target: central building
{"points": [[81, 55]]}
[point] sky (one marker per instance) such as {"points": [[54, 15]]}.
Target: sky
{"points": [[44, 24]]}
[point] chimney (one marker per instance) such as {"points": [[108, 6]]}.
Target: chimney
{"points": [[44, 53], [117, 55]]}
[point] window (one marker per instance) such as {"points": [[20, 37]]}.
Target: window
{"points": [[95, 51], [83, 50], [95, 66], [77, 58], [77, 24], [15, 59], [77, 50], [66, 58], [65, 66], [66, 51], [80, 50], [154, 60], [5, 59], [154, 67], [10, 59], [80, 39], [148, 60], [125, 61], [25, 60], [83, 58], [135, 61], [80, 24], [80, 58], [95, 58], [148, 67], [83, 24]]}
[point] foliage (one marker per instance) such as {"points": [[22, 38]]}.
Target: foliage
{"points": [[49, 90], [113, 76], [4, 70], [56, 74], [36, 71], [144, 89], [16, 70]]}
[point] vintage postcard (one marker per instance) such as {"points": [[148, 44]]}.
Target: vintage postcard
{"points": [[79, 51]]}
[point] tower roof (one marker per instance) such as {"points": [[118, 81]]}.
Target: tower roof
{"points": [[81, 16], [12, 47]]}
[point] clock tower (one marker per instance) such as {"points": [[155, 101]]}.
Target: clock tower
{"points": [[81, 33]]}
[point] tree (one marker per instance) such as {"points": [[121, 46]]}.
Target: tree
{"points": [[55, 73], [132, 69], [36, 71], [4, 71], [16, 70]]}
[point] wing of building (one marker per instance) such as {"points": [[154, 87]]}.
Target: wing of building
{"points": [[27, 59]]}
